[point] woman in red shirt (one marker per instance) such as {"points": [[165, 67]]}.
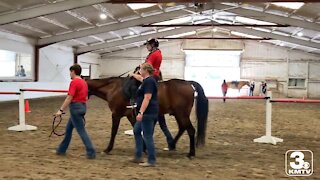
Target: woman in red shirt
{"points": [[76, 100], [224, 88], [154, 58]]}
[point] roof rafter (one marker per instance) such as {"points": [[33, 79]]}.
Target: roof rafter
{"points": [[53, 21], [269, 17], [118, 26], [275, 36], [29, 27], [45, 10], [80, 17], [134, 40]]}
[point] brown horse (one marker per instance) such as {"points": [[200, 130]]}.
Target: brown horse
{"points": [[176, 97], [237, 84]]}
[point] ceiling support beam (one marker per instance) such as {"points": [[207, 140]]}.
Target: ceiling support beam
{"points": [[45, 10], [82, 50], [216, 38], [114, 27], [274, 36], [214, 24], [202, 1], [263, 16]]}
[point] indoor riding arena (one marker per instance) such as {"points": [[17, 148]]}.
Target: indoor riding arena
{"points": [[262, 123]]}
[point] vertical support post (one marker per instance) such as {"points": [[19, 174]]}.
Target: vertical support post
{"points": [[268, 138], [307, 79], [36, 63], [268, 114], [75, 58], [22, 121], [22, 116]]}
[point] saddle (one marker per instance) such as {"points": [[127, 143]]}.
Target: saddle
{"points": [[130, 87]]}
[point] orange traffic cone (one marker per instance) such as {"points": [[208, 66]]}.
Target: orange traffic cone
{"points": [[26, 107]]}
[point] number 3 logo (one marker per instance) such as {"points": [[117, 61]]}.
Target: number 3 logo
{"points": [[299, 156]]}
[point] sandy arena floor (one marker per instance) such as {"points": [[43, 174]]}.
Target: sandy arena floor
{"points": [[229, 152]]}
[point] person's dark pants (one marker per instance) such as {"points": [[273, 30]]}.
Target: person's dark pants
{"points": [[77, 112], [224, 93], [163, 124], [147, 127], [251, 92], [165, 130]]}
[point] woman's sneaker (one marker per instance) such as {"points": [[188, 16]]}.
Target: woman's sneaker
{"points": [[146, 164], [136, 160]]}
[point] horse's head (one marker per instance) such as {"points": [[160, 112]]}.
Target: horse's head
{"points": [[89, 87], [94, 85]]}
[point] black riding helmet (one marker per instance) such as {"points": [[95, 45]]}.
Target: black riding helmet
{"points": [[153, 42]]}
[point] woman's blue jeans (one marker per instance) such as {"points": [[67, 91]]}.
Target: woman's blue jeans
{"points": [[147, 127], [76, 120]]}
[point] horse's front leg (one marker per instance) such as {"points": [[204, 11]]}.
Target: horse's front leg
{"points": [[114, 131], [132, 120]]}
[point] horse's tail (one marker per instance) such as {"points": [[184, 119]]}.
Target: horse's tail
{"points": [[202, 108]]}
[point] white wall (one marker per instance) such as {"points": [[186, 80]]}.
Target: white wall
{"points": [[54, 63], [262, 61], [259, 61], [91, 59], [118, 63]]}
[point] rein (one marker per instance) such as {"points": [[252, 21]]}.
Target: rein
{"points": [[54, 126], [124, 73]]}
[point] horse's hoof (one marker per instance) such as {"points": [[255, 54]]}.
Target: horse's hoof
{"points": [[107, 152], [169, 149], [191, 156]]}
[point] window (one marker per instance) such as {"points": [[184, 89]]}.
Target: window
{"points": [[297, 83], [15, 66]]}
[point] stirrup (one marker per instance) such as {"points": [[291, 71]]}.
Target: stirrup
{"points": [[131, 106]]}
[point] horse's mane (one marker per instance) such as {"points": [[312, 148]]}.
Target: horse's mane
{"points": [[106, 81], [109, 79]]}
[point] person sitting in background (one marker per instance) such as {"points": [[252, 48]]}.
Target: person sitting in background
{"points": [[224, 88], [22, 72], [18, 71]]}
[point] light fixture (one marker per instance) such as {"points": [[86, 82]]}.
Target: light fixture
{"points": [[103, 16], [131, 33], [136, 6], [300, 34], [290, 5], [214, 30]]}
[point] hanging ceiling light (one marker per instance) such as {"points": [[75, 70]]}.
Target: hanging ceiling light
{"points": [[103, 16], [290, 5], [300, 34]]}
